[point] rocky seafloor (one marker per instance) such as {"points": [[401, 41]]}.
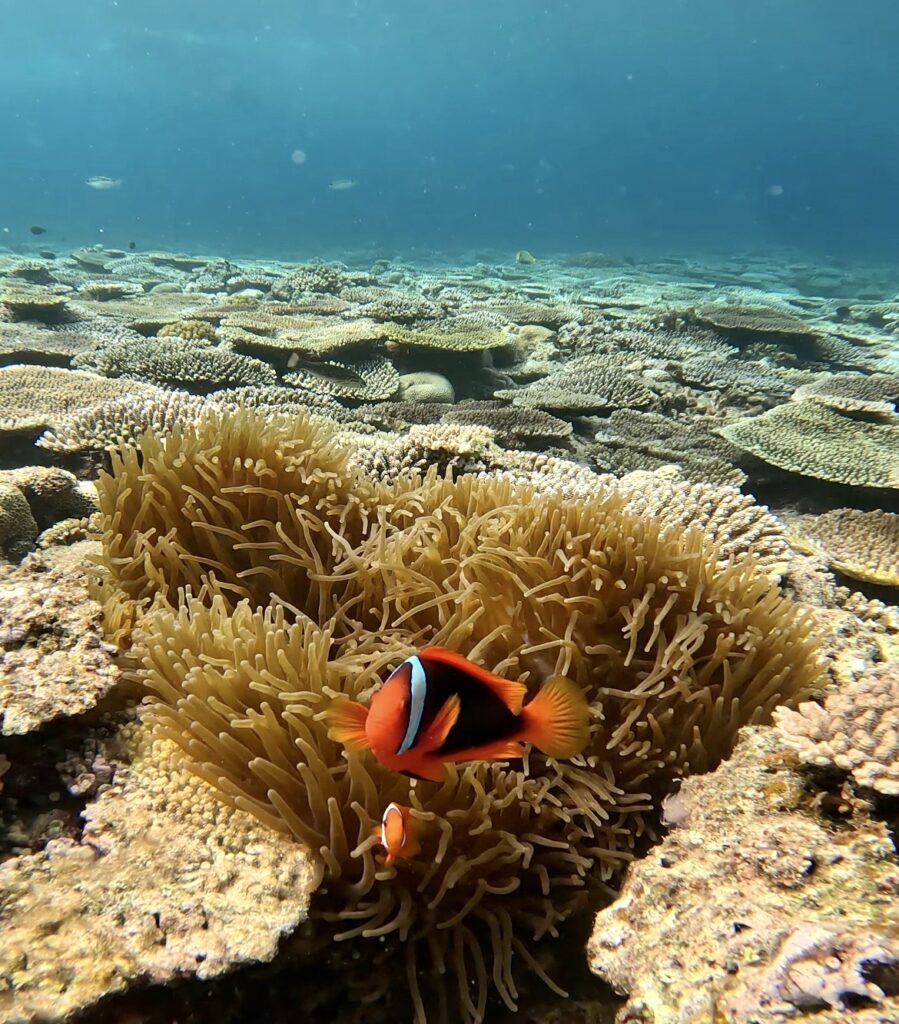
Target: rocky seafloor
{"points": [[751, 399]]}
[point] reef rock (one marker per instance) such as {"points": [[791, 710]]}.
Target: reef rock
{"points": [[755, 910], [53, 660], [165, 882]]}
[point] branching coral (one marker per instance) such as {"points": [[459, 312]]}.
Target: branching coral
{"points": [[307, 581], [856, 730]]}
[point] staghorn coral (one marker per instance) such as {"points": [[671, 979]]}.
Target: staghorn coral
{"points": [[313, 277], [538, 313], [852, 392], [310, 582], [178, 362], [123, 420], [192, 330], [400, 308], [814, 440], [863, 545], [120, 421], [855, 730], [368, 380], [34, 343], [732, 375], [104, 291], [461, 449], [35, 397], [585, 384], [511, 427]]}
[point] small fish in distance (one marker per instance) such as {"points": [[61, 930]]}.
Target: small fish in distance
{"points": [[439, 708], [36, 229], [101, 182], [398, 833], [342, 185]]}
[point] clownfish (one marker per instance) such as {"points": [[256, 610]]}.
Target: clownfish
{"points": [[439, 708], [398, 833]]}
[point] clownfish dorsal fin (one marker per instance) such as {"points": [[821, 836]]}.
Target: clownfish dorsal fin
{"points": [[436, 733], [510, 692], [346, 724]]}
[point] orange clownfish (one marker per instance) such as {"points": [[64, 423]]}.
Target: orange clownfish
{"points": [[398, 833], [439, 708]]}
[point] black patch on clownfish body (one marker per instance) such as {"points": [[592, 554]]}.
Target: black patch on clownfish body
{"points": [[483, 719]]}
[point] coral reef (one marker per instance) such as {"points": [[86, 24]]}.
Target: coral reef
{"points": [[632, 440], [734, 521], [586, 384], [863, 545], [53, 658], [853, 392], [855, 730], [165, 883], [814, 440], [35, 397], [310, 582], [754, 910], [194, 365], [368, 380]]}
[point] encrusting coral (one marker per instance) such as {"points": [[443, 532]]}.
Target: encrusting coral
{"points": [[266, 577]]}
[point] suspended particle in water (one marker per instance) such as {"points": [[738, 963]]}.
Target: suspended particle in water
{"points": [[775, 190], [298, 156]]}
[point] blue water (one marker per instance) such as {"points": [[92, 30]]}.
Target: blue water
{"points": [[638, 126]]}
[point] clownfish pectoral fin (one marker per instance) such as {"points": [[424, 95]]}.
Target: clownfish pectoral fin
{"points": [[436, 733], [346, 724], [557, 720]]}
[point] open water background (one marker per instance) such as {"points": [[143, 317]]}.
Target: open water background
{"points": [[692, 126]]}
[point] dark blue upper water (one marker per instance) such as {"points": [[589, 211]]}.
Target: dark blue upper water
{"points": [[645, 125]]}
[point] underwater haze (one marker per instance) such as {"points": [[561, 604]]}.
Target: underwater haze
{"points": [[290, 129]]}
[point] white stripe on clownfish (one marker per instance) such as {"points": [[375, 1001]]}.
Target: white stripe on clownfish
{"points": [[418, 686]]}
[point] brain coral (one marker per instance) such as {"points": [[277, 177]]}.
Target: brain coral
{"points": [[309, 581], [814, 440]]}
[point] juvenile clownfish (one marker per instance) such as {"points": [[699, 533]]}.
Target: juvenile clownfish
{"points": [[398, 833], [439, 708]]}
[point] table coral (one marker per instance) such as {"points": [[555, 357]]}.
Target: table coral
{"points": [[863, 545], [853, 392], [814, 440]]}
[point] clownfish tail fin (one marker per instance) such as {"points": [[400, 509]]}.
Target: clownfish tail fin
{"points": [[557, 720], [346, 724]]}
